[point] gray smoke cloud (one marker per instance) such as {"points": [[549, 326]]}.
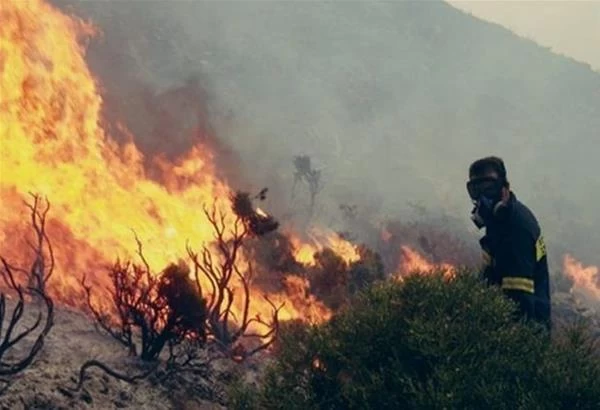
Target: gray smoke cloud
{"points": [[392, 100]]}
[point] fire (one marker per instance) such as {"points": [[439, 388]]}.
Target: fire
{"points": [[320, 239], [298, 288], [324, 238], [261, 212], [586, 278], [304, 251], [53, 143], [412, 261]]}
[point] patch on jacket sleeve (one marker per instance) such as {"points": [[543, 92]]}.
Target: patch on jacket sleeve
{"points": [[540, 248]]}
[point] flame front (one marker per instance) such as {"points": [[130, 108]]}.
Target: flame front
{"points": [[52, 143]]}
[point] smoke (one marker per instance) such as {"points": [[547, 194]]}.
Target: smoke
{"points": [[391, 100]]}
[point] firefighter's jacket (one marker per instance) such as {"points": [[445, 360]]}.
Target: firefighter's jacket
{"points": [[515, 259]]}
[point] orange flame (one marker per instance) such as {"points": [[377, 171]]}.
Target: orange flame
{"points": [[585, 278], [52, 142], [325, 238], [261, 212], [322, 238], [304, 251], [413, 261]]}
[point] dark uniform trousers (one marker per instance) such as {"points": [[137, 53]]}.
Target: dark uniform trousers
{"points": [[515, 259]]}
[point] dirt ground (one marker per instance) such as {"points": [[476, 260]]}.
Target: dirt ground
{"points": [[74, 340]]}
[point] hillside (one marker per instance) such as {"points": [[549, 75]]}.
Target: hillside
{"points": [[393, 100], [74, 339]]}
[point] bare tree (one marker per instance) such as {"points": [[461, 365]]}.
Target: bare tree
{"points": [[312, 177], [228, 282]]}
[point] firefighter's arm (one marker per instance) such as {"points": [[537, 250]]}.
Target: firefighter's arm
{"points": [[516, 263], [487, 272]]}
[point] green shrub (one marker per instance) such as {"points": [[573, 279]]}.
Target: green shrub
{"points": [[429, 342]]}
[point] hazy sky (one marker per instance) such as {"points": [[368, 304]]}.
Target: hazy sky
{"points": [[570, 27]]}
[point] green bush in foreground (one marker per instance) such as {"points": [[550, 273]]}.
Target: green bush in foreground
{"points": [[428, 342]]}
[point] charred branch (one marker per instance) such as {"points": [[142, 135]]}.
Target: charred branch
{"points": [[13, 328], [272, 331], [43, 262], [188, 357], [79, 381], [120, 329], [10, 336]]}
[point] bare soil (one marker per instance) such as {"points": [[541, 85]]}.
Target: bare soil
{"points": [[48, 383]]}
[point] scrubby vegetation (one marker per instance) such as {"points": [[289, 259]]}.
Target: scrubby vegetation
{"points": [[424, 341], [170, 309], [223, 270], [428, 342], [153, 311], [162, 309]]}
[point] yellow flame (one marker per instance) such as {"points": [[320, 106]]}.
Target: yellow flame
{"points": [[52, 142]]}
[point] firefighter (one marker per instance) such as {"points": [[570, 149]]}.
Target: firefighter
{"points": [[513, 246]]}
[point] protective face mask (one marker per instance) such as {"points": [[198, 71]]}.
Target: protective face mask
{"points": [[488, 187], [483, 212], [486, 194]]}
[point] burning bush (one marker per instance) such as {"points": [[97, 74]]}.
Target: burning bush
{"points": [[334, 281], [162, 309], [256, 223], [171, 308], [274, 254], [428, 342], [441, 240], [329, 278]]}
